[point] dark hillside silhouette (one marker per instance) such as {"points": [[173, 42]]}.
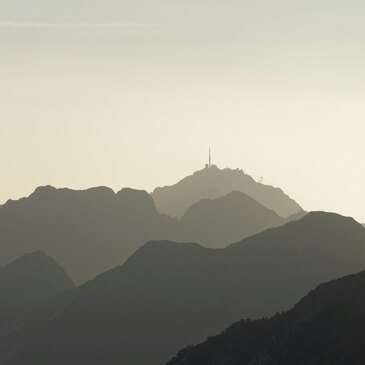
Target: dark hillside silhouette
{"points": [[31, 277], [213, 182], [169, 295], [327, 327]]}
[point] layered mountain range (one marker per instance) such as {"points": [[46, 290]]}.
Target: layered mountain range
{"points": [[169, 295], [256, 253], [94, 230]]}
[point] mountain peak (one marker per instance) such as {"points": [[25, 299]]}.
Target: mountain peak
{"points": [[328, 217], [127, 193], [45, 189], [328, 221], [49, 193], [213, 182], [168, 245], [319, 231], [31, 277], [155, 251], [220, 221], [137, 201], [36, 263]]}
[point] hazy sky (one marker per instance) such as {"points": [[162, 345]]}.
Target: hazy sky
{"points": [[132, 93]]}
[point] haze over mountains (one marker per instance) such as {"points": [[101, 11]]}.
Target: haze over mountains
{"points": [[94, 230], [213, 267], [327, 327], [169, 295], [256, 252]]}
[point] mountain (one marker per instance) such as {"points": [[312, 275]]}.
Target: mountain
{"points": [[214, 222], [169, 295], [327, 327], [87, 231], [31, 277], [213, 182], [94, 230]]}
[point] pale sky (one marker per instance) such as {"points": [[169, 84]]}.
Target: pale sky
{"points": [[132, 93]]}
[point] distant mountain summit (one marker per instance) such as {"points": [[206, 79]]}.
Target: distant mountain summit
{"points": [[213, 182], [327, 327], [228, 219], [31, 277]]}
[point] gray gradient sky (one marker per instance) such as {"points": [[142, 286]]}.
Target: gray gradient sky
{"points": [[131, 93]]}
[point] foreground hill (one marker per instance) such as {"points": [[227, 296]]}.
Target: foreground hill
{"points": [[325, 328], [169, 295], [32, 277], [94, 230], [212, 183]]}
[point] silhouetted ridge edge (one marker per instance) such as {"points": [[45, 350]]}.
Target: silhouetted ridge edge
{"points": [[318, 218], [327, 326]]}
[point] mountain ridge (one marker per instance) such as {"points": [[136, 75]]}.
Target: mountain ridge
{"points": [[106, 227]]}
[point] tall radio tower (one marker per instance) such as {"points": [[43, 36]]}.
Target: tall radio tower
{"points": [[210, 158]]}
